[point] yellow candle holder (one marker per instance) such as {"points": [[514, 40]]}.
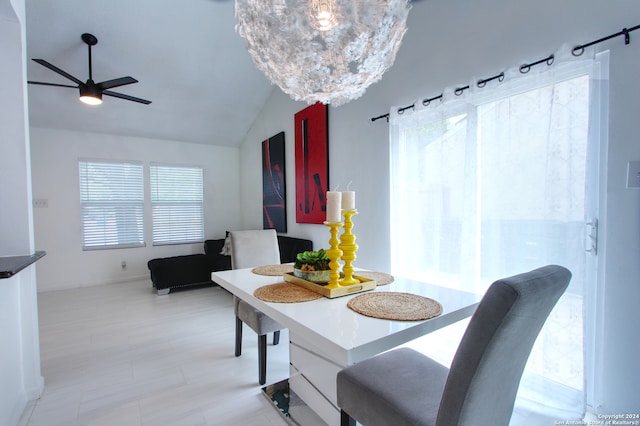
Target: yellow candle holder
{"points": [[334, 254], [349, 247]]}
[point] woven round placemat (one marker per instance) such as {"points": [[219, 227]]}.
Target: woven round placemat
{"points": [[272, 270], [395, 306], [285, 293], [381, 278]]}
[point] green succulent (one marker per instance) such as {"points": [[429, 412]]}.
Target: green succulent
{"points": [[312, 261]]}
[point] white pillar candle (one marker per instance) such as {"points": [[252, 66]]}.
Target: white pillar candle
{"points": [[334, 202], [348, 200]]}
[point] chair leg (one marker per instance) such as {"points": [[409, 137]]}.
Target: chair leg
{"points": [[276, 337], [346, 420], [238, 336], [262, 359]]}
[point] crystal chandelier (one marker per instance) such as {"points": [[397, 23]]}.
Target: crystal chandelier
{"points": [[323, 50]]}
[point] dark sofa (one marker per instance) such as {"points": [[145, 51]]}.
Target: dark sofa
{"points": [[195, 269]]}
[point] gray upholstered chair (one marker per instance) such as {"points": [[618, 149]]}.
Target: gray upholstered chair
{"points": [[250, 249], [404, 387]]}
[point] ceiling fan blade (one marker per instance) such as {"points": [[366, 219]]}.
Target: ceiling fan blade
{"points": [[52, 84], [58, 70], [127, 97], [116, 82]]}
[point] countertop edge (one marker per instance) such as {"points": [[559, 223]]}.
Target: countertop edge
{"points": [[11, 265]]}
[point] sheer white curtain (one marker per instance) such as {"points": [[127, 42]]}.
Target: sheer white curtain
{"points": [[492, 183]]}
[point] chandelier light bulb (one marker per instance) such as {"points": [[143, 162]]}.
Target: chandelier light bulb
{"points": [[324, 20], [323, 12], [327, 51]]}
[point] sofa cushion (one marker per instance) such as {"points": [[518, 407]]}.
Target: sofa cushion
{"points": [[179, 271], [291, 246], [213, 247], [217, 261]]}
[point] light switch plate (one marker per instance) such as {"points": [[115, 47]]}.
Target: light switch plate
{"points": [[633, 174]]}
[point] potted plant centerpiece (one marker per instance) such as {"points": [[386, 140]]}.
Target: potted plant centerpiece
{"points": [[312, 266]]}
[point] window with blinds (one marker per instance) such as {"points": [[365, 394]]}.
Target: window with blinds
{"points": [[112, 204], [177, 211]]}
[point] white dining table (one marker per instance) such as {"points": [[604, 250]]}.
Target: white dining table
{"points": [[326, 336]]}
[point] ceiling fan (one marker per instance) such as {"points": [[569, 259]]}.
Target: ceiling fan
{"points": [[90, 91]]}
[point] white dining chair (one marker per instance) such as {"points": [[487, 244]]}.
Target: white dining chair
{"points": [[250, 249]]}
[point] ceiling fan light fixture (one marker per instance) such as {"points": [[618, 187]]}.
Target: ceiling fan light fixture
{"points": [[90, 100], [90, 94]]}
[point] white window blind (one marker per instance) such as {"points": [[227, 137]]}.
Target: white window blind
{"points": [[112, 204], [176, 204]]}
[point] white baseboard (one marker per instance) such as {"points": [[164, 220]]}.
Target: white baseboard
{"points": [[79, 284]]}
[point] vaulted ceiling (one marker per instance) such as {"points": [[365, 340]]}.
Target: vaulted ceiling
{"points": [[188, 59]]}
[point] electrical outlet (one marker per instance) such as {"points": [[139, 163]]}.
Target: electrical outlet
{"points": [[633, 174], [124, 265], [40, 203]]}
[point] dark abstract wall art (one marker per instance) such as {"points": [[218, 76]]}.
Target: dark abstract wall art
{"points": [[312, 163], [274, 193]]}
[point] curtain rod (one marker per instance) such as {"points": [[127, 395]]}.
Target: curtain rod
{"points": [[524, 68]]}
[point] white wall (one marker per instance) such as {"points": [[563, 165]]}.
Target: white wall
{"points": [[20, 376], [55, 155], [448, 43], [15, 219], [367, 174], [619, 390]]}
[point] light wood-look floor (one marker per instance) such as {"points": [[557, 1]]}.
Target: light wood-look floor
{"points": [[121, 355]]}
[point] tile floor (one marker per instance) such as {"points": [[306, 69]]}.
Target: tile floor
{"points": [[121, 355]]}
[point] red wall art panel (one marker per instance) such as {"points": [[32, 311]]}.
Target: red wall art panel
{"points": [[274, 194], [312, 163]]}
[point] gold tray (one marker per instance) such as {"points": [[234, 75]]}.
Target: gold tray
{"points": [[365, 284]]}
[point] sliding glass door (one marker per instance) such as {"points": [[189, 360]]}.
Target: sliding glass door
{"points": [[488, 186]]}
